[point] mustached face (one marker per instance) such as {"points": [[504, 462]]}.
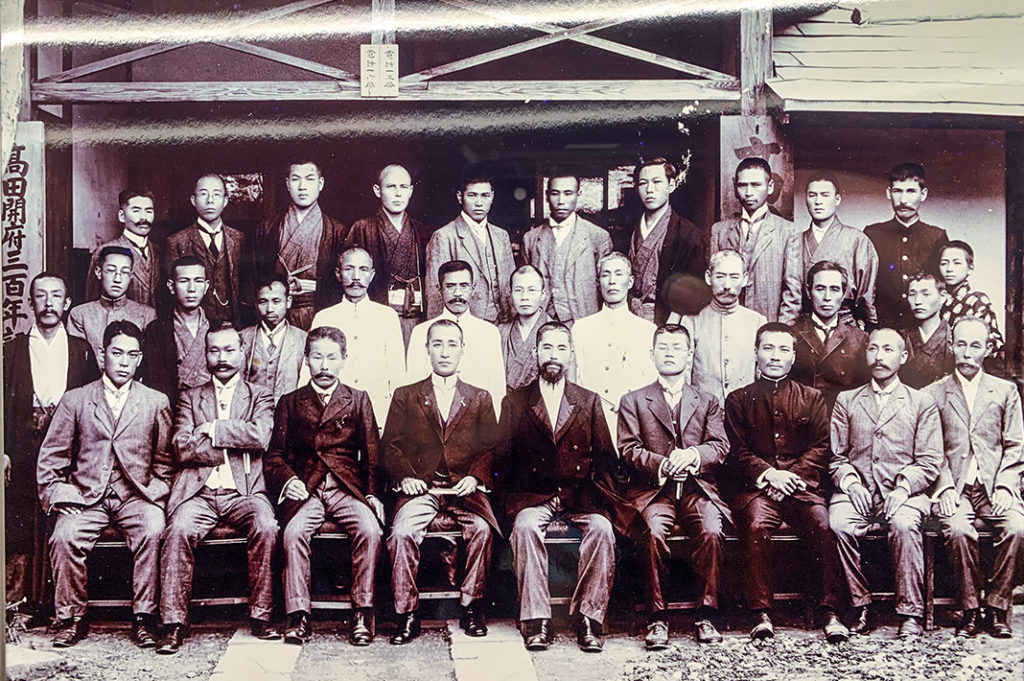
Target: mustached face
{"points": [[325, 361], [224, 354]]}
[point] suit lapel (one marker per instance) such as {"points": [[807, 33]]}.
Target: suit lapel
{"points": [[240, 400], [469, 245], [104, 417], [810, 336], [836, 339], [539, 411], [687, 405], [986, 395], [458, 407], [128, 412], [309, 405], [289, 349], [958, 401], [763, 239], [659, 407], [897, 400], [868, 403], [567, 412], [428, 404], [340, 399]]}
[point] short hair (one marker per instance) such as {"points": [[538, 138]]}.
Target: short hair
{"points": [[922, 275], [673, 329], [48, 274], [301, 161], [526, 269], [185, 261], [475, 178], [907, 171], [774, 327], [330, 333], [445, 324], [202, 177], [553, 326], [553, 173], [379, 177], [353, 249], [963, 246], [121, 327], [108, 251], [671, 171], [971, 318], [453, 266], [271, 278], [822, 176], [217, 327], [127, 195], [718, 256], [879, 329], [827, 266], [751, 163], [614, 255]]}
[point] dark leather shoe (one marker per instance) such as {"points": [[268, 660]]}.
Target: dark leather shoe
{"points": [[657, 635], [588, 636], [173, 638], [835, 630], [909, 627], [1000, 625], [863, 623], [537, 634], [473, 622], [263, 630], [970, 625], [69, 632], [299, 628], [408, 628], [143, 631], [763, 627], [361, 633], [704, 631]]}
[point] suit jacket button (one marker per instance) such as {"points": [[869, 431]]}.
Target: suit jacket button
{"points": [[575, 447]]}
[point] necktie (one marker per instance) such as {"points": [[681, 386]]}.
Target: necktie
{"points": [[213, 245], [323, 398], [827, 330]]}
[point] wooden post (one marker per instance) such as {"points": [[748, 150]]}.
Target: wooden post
{"points": [[755, 59], [1014, 352], [745, 136], [382, 22]]}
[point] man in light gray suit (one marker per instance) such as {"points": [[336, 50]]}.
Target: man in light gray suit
{"points": [[887, 450], [274, 349], [979, 483], [105, 460], [770, 244]]}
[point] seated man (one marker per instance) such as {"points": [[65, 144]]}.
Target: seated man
{"points": [[106, 461], [674, 438], [322, 463], [438, 444], [929, 351], [273, 348]]}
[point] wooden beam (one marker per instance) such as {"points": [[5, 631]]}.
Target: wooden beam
{"points": [[755, 59], [290, 60], [382, 22], [1014, 353]]}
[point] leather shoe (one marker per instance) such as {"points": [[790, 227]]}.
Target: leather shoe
{"points": [[408, 628], [588, 636], [909, 627], [173, 638], [863, 623], [70, 631], [704, 631], [143, 631], [835, 630], [657, 635], [1000, 625], [537, 634], [763, 628], [361, 633], [473, 621], [970, 625], [263, 630], [299, 628]]}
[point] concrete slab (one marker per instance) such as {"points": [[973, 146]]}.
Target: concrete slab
{"points": [[28, 664], [249, 659], [499, 656]]}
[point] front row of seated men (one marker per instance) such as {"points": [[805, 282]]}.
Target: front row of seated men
{"points": [[111, 456]]}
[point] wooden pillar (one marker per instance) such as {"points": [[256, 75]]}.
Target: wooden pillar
{"points": [[382, 22], [1014, 257], [755, 59], [745, 136]]}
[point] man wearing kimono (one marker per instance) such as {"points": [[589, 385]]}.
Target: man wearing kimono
{"points": [[929, 340], [519, 336]]}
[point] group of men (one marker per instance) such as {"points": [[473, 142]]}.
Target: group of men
{"points": [[579, 386]]}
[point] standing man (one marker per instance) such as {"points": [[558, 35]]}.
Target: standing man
{"points": [[485, 246], [373, 333], [438, 450], [106, 461], [396, 243], [557, 462], [674, 438], [175, 342], [929, 341], [519, 336], [610, 344], [566, 250], [322, 463], [274, 349], [135, 213], [724, 331], [887, 450], [481, 364], [769, 244], [302, 244], [905, 245], [89, 321], [663, 243], [224, 250], [829, 239], [980, 478], [220, 435], [829, 353], [956, 262], [778, 431]]}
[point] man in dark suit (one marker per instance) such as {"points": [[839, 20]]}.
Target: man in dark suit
{"points": [[557, 463], [322, 463], [674, 438], [221, 432], [136, 214], [438, 444], [39, 367], [224, 250], [303, 244], [106, 460], [778, 431], [829, 352]]}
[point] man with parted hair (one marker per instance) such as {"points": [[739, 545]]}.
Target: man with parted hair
{"points": [[770, 245], [565, 249], [929, 339], [135, 213], [273, 348]]}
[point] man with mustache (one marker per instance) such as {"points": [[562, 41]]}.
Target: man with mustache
{"points": [[905, 245], [89, 320], [135, 213], [105, 461], [438, 451], [274, 347], [929, 341], [481, 364], [221, 432], [980, 479], [322, 464], [778, 433], [887, 450], [723, 332], [373, 333], [557, 461]]}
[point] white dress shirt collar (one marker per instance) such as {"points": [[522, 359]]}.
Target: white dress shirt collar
{"points": [[478, 228], [970, 388], [48, 365], [562, 229], [140, 242], [551, 394], [116, 397], [324, 394], [275, 335], [882, 395], [444, 393], [672, 392]]}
